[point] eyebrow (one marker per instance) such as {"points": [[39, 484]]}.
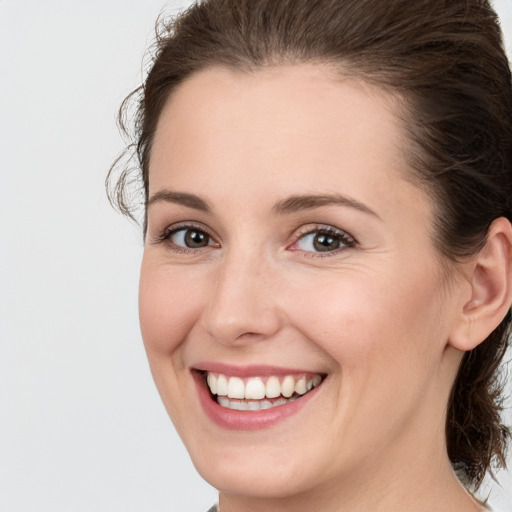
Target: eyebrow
{"points": [[188, 200], [293, 204], [300, 203]]}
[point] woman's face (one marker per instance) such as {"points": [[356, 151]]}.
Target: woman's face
{"points": [[286, 252]]}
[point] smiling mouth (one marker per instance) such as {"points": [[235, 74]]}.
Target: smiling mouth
{"points": [[259, 393]]}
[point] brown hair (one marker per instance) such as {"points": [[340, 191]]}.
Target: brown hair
{"points": [[446, 60]]}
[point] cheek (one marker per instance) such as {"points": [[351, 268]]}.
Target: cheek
{"points": [[385, 342], [168, 305], [374, 322], [168, 308]]}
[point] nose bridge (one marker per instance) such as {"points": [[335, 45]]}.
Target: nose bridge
{"points": [[242, 304]]}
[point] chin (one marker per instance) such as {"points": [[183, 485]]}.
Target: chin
{"points": [[253, 478]]}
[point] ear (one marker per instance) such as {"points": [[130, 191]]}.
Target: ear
{"points": [[489, 276]]}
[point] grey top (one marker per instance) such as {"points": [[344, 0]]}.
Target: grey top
{"points": [[215, 509]]}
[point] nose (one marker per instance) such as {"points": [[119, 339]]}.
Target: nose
{"points": [[242, 305]]}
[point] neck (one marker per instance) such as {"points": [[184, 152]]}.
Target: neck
{"points": [[422, 482], [446, 494]]}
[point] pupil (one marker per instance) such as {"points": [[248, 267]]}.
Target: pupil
{"points": [[324, 243], [196, 239]]}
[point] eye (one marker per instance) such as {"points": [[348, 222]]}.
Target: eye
{"points": [[184, 238], [323, 240], [191, 238]]}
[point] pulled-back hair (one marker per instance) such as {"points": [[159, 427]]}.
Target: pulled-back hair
{"points": [[445, 60]]}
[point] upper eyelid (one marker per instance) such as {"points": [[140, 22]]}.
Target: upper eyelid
{"points": [[313, 228], [163, 234], [173, 228], [348, 241], [178, 226], [296, 234]]}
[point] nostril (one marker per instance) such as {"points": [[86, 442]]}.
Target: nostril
{"points": [[249, 336]]}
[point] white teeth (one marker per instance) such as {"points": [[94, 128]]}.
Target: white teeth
{"points": [[255, 389], [252, 405], [273, 387], [236, 388], [280, 401], [300, 386], [222, 385], [222, 400], [288, 386], [241, 405], [265, 404], [212, 383]]}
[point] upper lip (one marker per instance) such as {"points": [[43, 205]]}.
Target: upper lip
{"points": [[251, 370]]}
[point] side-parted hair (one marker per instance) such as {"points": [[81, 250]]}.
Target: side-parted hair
{"points": [[445, 61]]}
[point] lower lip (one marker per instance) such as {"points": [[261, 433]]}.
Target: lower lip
{"points": [[247, 420]]}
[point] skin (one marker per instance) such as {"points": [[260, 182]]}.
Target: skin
{"points": [[377, 317]]}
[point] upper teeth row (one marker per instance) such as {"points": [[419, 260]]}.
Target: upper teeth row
{"points": [[256, 388]]}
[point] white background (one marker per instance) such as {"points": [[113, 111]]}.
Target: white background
{"points": [[81, 426]]}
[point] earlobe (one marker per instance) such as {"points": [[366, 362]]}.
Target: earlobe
{"points": [[490, 280]]}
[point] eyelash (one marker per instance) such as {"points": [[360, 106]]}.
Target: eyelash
{"points": [[167, 233], [347, 241], [344, 238]]}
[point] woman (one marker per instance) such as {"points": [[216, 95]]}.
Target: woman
{"points": [[326, 280]]}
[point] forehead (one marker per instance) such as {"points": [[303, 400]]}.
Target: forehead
{"points": [[285, 127]]}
